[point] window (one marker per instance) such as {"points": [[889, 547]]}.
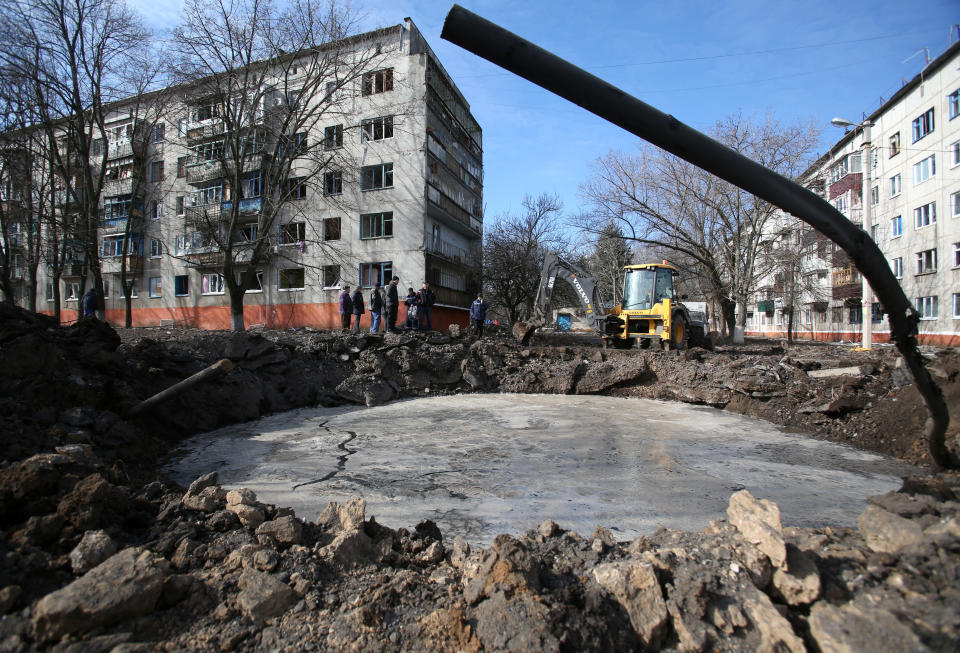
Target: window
{"points": [[378, 176], [157, 135], [331, 229], [113, 246], [896, 226], [874, 195], [290, 279], [133, 290], [211, 284], [956, 255], [953, 104], [376, 129], [925, 215], [896, 265], [156, 210], [856, 314], [156, 248], [256, 282], [211, 194], [927, 307], [923, 170], [116, 208], [212, 151], [156, 171], [293, 233], [927, 261], [955, 154], [378, 81], [956, 305], [49, 292], [876, 313], [895, 185], [180, 209], [955, 204], [252, 185], [331, 276], [204, 112], [333, 137], [330, 89], [874, 232], [153, 287], [370, 273], [923, 125], [181, 285], [182, 166], [72, 293], [246, 233], [296, 188], [895, 145], [836, 314], [376, 225], [332, 183]]}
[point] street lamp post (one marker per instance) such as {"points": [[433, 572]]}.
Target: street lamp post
{"points": [[866, 310]]}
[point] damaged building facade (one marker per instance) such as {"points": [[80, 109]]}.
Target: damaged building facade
{"points": [[399, 192], [914, 219]]}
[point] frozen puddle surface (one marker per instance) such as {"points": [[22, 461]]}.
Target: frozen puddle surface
{"points": [[481, 465]]}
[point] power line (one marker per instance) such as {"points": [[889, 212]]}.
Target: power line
{"points": [[748, 53]]}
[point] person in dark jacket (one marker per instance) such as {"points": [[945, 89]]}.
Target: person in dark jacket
{"points": [[357, 300], [346, 308], [478, 313], [376, 307], [427, 300], [392, 304], [89, 303], [413, 307]]}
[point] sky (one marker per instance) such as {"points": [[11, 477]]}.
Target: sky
{"points": [[804, 61]]}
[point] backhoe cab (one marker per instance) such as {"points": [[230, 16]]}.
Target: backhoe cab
{"points": [[652, 311]]}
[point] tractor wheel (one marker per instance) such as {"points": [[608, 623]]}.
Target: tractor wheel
{"points": [[644, 343], [679, 332]]}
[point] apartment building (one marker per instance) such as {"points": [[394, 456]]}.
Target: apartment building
{"points": [[914, 216], [400, 193]]}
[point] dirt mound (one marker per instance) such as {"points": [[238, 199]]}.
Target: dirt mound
{"points": [[100, 554]]}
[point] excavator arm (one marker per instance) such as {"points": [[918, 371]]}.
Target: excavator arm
{"points": [[584, 286]]}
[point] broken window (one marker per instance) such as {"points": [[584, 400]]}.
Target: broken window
{"points": [[376, 225], [293, 233], [333, 183], [376, 176], [181, 286], [376, 129], [154, 288], [290, 279], [331, 276], [333, 137], [927, 261], [371, 273], [331, 229], [378, 81], [211, 284], [256, 281]]}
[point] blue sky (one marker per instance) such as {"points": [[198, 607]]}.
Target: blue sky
{"points": [[699, 61]]}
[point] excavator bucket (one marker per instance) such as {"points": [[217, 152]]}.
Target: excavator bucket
{"points": [[523, 331]]}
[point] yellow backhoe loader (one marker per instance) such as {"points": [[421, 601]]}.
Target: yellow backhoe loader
{"points": [[652, 310]]}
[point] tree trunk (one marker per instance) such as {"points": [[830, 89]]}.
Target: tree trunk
{"points": [[128, 306], [728, 308], [236, 307], [790, 327]]}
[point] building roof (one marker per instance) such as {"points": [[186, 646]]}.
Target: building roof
{"points": [[904, 90]]}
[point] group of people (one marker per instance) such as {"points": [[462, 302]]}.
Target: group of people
{"points": [[387, 304], [384, 307]]}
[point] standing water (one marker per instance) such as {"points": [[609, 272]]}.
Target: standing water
{"points": [[481, 465]]}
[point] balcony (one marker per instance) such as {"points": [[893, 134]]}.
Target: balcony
{"points": [[119, 150], [203, 171], [450, 252], [246, 207], [113, 225], [205, 129], [202, 214], [204, 257], [452, 209], [72, 270], [112, 264]]}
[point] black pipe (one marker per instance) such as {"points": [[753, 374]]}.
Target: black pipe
{"points": [[544, 69]]}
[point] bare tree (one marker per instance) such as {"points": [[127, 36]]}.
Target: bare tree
{"points": [[513, 251], [261, 80], [79, 55], [714, 227], [611, 252]]}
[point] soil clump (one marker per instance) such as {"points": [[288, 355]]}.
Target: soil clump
{"points": [[100, 554]]}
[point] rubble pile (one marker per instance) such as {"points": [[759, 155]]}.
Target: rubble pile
{"points": [[99, 554]]}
